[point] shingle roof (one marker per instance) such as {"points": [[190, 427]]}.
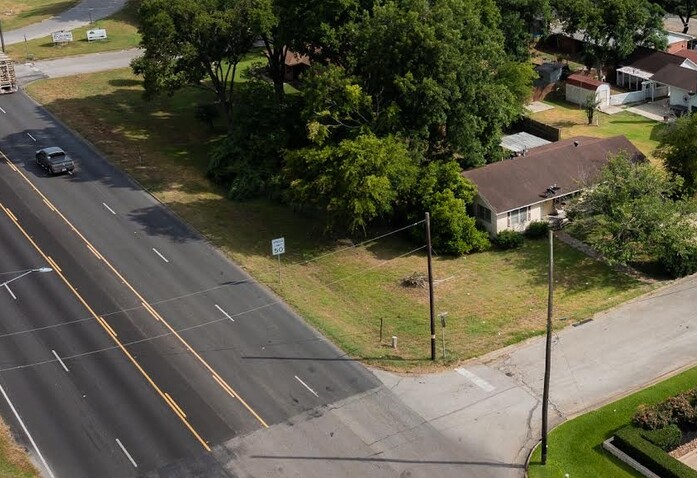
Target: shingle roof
{"points": [[677, 76], [519, 182], [687, 53], [651, 60]]}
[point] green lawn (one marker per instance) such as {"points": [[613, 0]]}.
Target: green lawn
{"points": [[19, 13], [122, 34], [493, 298], [575, 446], [572, 120]]}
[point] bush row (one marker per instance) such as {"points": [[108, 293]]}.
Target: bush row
{"points": [[630, 440], [512, 239], [680, 410]]}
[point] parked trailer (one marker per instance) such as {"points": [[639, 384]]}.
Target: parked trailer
{"points": [[8, 79]]}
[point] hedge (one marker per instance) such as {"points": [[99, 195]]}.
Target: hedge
{"points": [[629, 440]]}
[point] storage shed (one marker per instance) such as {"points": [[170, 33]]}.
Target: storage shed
{"points": [[579, 87]]}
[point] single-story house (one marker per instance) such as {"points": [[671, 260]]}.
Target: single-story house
{"points": [[514, 192], [296, 64], [637, 71], [683, 86], [579, 87]]}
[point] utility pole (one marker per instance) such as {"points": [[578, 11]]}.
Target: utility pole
{"points": [[2, 39], [430, 287], [548, 348]]}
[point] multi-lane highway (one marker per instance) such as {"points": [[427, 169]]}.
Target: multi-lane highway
{"points": [[144, 348]]}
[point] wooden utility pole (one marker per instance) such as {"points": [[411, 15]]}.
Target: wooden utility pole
{"points": [[430, 287], [548, 348]]}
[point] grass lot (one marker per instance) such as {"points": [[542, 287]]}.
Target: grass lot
{"points": [[575, 447], [493, 298], [14, 461], [121, 28], [19, 13], [572, 120]]}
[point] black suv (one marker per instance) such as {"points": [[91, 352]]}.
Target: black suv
{"points": [[54, 160]]}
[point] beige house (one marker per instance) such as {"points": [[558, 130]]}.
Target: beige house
{"points": [[513, 193]]}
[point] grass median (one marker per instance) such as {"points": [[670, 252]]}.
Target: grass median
{"points": [[575, 447], [121, 29], [20, 13], [493, 298]]}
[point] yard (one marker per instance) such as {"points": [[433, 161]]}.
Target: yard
{"points": [[572, 120], [493, 299], [575, 447]]}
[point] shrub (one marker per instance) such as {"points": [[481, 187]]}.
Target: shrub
{"points": [[630, 441], [537, 229], [508, 240], [681, 411], [650, 418], [207, 113], [666, 439]]}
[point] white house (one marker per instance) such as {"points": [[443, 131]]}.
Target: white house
{"points": [[579, 87], [683, 86], [512, 193]]}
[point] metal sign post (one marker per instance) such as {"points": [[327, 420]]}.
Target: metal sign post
{"points": [[278, 247]]}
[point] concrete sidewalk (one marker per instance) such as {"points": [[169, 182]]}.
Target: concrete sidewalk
{"points": [[492, 405], [76, 17]]}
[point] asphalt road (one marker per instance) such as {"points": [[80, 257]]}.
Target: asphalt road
{"points": [[170, 347]]}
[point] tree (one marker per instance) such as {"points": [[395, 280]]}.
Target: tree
{"points": [[197, 43], [352, 183], [523, 19], [678, 151], [684, 9], [630, 212], [438, 64], [446, 194], [590, 106], [613, 29]]}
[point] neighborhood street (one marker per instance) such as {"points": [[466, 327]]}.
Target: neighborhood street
{"points": [[480, 419]]}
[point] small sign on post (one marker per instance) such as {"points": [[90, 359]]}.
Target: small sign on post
{"points": [[62, 37], [97, 34], [278, 247]]}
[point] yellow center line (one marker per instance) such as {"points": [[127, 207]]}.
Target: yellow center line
{"points": [[150, 309], [50, 261], [104, 325], [174, 404]]}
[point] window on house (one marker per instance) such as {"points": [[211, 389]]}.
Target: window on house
{"points": [[483, 213], [518, 217]]}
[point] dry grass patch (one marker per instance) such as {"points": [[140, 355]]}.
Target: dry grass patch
{"points": [[14, 461], [493, 299]]}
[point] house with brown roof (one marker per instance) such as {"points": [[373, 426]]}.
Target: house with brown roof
{"points": [[513, 193], [683, 86]]}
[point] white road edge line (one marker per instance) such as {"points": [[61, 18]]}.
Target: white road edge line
{"points": [[110, 210], [19, 419], [224, 313], [161, 256], [123, 448], [10, 291], [61, 361], [306, 386], [4, 112], [33, 138], [478, 381]]}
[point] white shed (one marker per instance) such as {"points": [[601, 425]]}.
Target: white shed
{"points": [[579, 87]]}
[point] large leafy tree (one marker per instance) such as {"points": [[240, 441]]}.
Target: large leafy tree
{"points": [[613, 29], [439, 65], [631, 213], [684, 9], [678, 150], [522, 19], [351, 183], [197, 43]]}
